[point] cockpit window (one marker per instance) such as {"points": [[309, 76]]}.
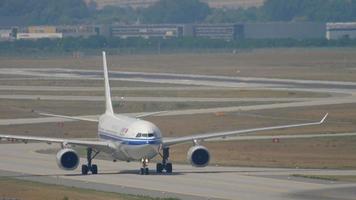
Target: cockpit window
{"points": [[145, 135]]}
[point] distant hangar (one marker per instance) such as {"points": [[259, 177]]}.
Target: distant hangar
{"points": [[270, 30], [341, 30]]}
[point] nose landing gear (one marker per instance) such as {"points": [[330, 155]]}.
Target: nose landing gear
{"points": [[144, 169], [164, 166]]}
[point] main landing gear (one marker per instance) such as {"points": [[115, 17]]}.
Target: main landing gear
{"points": [[90, 167], [165, 165]]}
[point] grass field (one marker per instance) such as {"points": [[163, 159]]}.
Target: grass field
{"points": [[20, 189]]}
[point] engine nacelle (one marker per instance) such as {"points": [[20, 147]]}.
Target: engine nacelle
{"points": [[67, 159], [198, 156]]}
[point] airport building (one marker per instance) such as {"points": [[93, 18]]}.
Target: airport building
{"points": [[212, 31], [41, 29], [37, 32], [281, 30], [52, 32], [6, 35], [80, 30], [336, 31], [36, 36], [219, 31], [147, 30], [268, 30]]}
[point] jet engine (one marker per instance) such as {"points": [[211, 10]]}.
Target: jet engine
{"points": [[67, 159], [198, 156]]}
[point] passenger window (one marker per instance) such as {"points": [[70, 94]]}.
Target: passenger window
{"points": [[138, 135], [144, 135]]}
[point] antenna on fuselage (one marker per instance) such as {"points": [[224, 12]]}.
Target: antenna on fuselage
{"points": [[109, 109]]}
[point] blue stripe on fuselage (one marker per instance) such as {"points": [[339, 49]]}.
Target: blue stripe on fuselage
{"points": [[128, 141]]}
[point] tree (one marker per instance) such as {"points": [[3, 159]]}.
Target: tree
{"points": [[285, 10], [113, 14], [176, 11], [45, 11], [310, 10], [222, 15]]}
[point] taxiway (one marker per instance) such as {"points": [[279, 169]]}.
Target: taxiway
{"points": [[23, 162]]}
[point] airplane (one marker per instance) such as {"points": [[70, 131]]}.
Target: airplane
{"points": [[134, 139]]}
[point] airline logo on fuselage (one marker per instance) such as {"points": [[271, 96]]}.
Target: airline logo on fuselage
{"points": [[124, 131]]}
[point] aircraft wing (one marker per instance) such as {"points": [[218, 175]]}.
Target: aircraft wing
{"points": [[149, 114], [271, 137], [87, 143], [196, 138], [77, 118]]}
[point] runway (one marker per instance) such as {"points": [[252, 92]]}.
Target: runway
{"points": [[148, 99], [186, 182], [61, 72], [184, 79]]}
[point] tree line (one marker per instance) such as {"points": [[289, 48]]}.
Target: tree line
{"points": [[290, 10], [176, 11]]}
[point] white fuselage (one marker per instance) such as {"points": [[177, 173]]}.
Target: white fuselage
{"points": [[134, 139]]}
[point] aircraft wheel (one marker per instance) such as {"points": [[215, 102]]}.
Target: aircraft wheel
{"points": [[85, 169], [159, 167], [147, 171], [94, 169], [169, 168]]}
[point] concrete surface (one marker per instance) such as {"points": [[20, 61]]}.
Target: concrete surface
{"points": [[186, 182]]}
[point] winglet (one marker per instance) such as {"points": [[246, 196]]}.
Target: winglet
{"points": [[324, 118], [109, 109]]}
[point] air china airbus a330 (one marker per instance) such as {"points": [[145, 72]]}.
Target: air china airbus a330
{"points": [[128, 139]]}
